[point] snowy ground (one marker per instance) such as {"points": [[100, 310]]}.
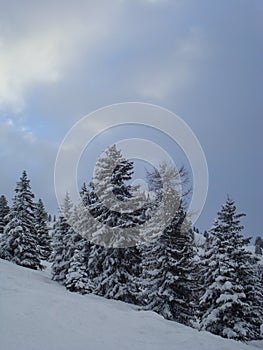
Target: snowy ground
{"points": [[38, 314]]}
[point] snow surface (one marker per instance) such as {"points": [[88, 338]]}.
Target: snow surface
{"points": [[39, 314]]}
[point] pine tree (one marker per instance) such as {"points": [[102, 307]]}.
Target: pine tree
{"points": [[230, 304], [9, 244], [23, 204], [259, 246], [95, 267], [65, 239], [118, 278], [18, 243], [59, 262], [77, 278], [67, 207], [42, 232], [111, 202], [168, 280], [4, 211]]}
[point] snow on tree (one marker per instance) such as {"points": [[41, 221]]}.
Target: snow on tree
{"points": [[168, 281], [4, 211], [230, 303], [65, 239], [77, 278], [23, 203], [95, 266], [59, 264], [115, 208], [259, 246], [9, 240], [118, 279], [111, 200], [18, 243], [42, 232], [258, 250]]}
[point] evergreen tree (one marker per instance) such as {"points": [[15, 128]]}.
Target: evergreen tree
{"points": [[9, 244], [259, 242], [230, 304], [4, 211], [42, 232], [58, 256], [168, 280], [113, 204], [67, 207], [258, 246], [65, 239], [168, 277], [95, 267], [23, 204], [258, 250], [77, 278], [18, 243], [118, 279]]}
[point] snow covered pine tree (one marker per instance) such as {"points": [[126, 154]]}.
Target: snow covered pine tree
{"points": [[107, 196], [4, 211], [168, 281], [19, 242], [42, 232], [231, 303]]}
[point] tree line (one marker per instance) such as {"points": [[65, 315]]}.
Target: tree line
{"points": [[157, 265]]}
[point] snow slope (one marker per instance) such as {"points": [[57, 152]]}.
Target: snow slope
{"points": [[39, 314]]}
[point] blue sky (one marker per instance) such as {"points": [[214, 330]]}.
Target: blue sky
{"points": [[203, 60]]}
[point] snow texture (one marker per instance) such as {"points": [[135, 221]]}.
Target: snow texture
{"points": [[39, 314]]}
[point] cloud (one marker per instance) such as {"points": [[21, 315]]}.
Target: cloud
{"points": [[47, 43], [177, 70], [23, 64]]}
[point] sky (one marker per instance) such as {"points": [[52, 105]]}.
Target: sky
{"points": [[203, 60]]}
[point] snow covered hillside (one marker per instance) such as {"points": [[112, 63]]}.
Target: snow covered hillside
{"points": [[39, 314]]}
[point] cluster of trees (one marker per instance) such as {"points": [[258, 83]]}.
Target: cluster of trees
{"points": [[145, 256]]}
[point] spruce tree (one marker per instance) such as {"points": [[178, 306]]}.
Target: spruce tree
{"points": [[168, 276], [18, 243], [42, 232], [230, 303], [4, 211], [168, 266], [112, 203], [58, 257], [23, 204], [65, 239], [77, 278], [118, 279]]}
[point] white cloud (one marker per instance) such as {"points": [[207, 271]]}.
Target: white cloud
{"points": [[24, 63], [47, 45], [16, 128], [9, 122]]}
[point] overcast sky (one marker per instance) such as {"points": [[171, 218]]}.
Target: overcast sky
{"points": [[203, 60]]}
